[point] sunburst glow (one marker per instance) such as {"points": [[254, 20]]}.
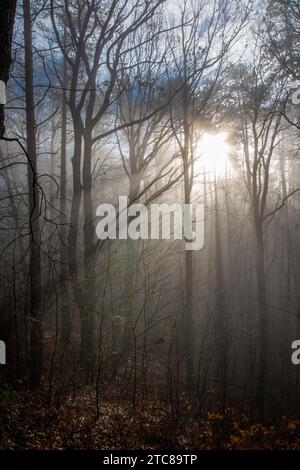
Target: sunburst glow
{"points": [[212, 154]]}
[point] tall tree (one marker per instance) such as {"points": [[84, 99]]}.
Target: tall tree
{"points": [[98, 33], [36, 361], [7, 18], [198, 51], [261, 100]]}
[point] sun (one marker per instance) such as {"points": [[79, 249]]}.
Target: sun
{"points": [[212, 154]]}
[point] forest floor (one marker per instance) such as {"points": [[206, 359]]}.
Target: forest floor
{"points": [[27, 423]]}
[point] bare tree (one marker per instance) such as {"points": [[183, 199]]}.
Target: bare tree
{"points": [[196, 52], [36, 362], [7, 17], [98, 37]]}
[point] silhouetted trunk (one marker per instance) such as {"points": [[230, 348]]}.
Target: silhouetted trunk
{"points": [[74, 216], [83, 289], [188, 307], [7, 18], [52, 185], [65, 300], [34, 208], [286, 256], [220, 305], [262, 320], [88, 305]]}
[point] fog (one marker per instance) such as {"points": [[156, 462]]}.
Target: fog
{"points": [[149, 199]]}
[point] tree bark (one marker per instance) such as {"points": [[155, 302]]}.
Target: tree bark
{"points": [[34, 208], [188, 307], [221, 307], [7, 18], [88, 307], [65, 308], [262, 320]]}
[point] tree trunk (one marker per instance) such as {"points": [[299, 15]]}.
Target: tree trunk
{"points": [[75, 209], [262, 321], [88, 306], [65, 301], [221, 310], [34, 207], [7, 18], [188, 307]]}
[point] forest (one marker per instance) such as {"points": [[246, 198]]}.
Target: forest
{"points": [[176, 325]]}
